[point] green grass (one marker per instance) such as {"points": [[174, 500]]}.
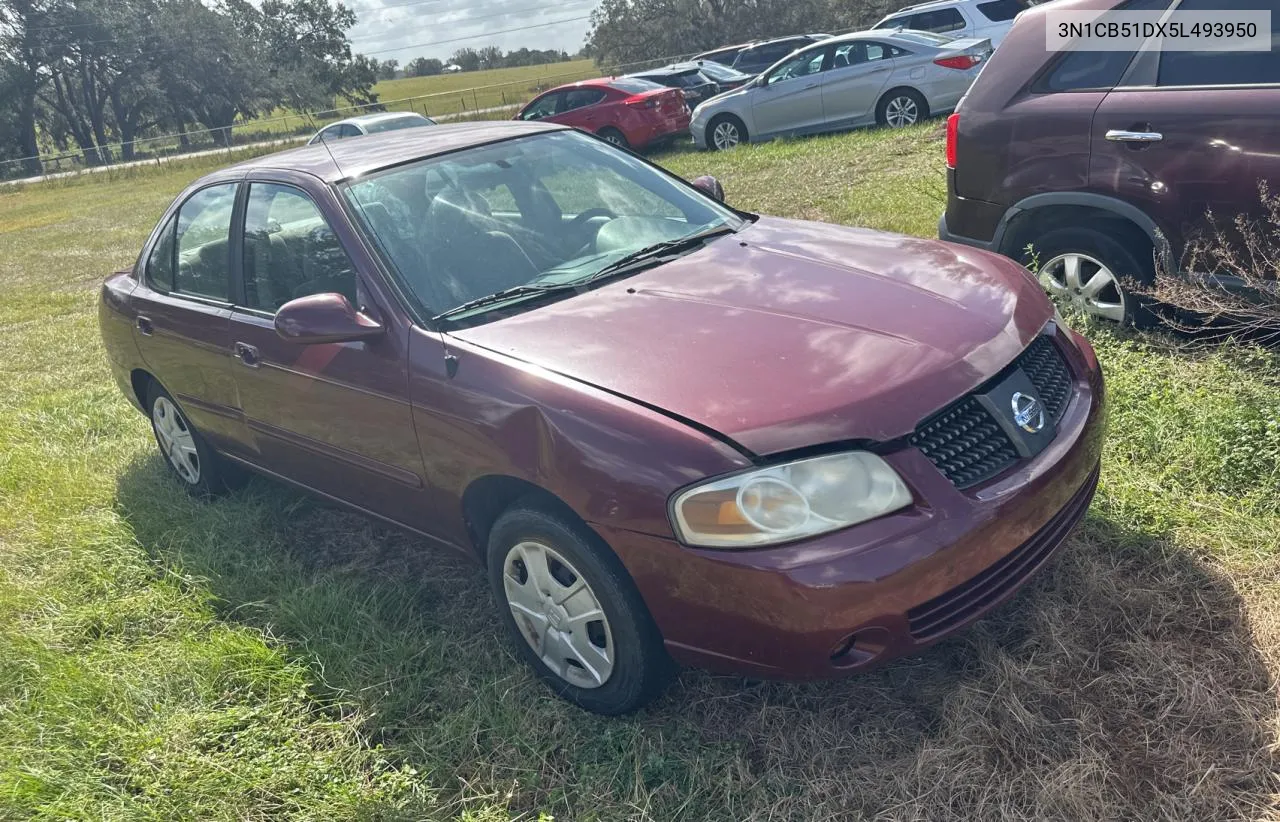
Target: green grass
{"points": [[268, 656]]}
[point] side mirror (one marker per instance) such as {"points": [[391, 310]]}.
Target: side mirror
{"points": [[324, 318], [710, 186]]}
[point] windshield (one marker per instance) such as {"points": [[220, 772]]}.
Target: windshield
{"points": [[396, 123], [543, 211], [925, 38], [719, 72]]}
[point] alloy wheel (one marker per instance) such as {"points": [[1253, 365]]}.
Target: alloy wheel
{"points": [[726, 135], [176, 441], [1087, 284], [558, 614], [613, 137], [901, 112]]}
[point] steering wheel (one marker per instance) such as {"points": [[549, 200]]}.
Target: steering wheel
{"points": [[578, 223]]}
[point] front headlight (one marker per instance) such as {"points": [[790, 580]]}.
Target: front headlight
{"points": [[790, 501]]}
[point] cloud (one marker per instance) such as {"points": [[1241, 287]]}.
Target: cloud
{"points": [[405, 29]]}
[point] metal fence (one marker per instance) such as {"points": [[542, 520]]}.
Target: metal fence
{"points": [[492, 101]]}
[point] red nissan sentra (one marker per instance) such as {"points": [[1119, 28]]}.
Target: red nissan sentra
{"points": [[669, 429]]}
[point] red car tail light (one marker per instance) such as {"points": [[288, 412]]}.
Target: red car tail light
{"points": [[953, 132], [962, 62], [641, 102]]}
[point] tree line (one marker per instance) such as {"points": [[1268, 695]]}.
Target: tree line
{"points": [[632, 31], [489, 57], [90, 75]]}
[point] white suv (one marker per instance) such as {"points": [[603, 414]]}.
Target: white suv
{"points": [[990, 19]]}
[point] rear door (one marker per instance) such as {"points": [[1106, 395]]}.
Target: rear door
{"points": [[333, 417], [183, 310], [1193, 132], [580, 108], [851, 87], [790, 101]]}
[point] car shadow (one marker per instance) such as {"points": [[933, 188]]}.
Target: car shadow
{"points": [[1122, 683]]}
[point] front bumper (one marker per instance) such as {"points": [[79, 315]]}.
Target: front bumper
{"points": [[856, 598]]}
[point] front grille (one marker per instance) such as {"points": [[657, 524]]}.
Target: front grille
{"points": [[968, 599], [967, 445]]}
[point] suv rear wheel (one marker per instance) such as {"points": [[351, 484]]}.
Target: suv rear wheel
{"points": [[1093, 272]]}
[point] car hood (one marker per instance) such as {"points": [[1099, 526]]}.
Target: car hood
{"points": [[790, 334]]}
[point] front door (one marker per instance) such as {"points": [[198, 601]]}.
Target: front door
{"points": [[1193, 133], [791, 99], [183, 310], [851, 87], [333, 417]]}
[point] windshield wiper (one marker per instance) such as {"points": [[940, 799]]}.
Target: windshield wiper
{"points": [[645, 256], [502, 296], [654, 253]]}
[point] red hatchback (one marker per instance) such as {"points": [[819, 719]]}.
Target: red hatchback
{"points": [[670, 429], [626, 111]]}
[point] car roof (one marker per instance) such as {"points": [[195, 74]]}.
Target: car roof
{"points": [[595, 82], [341, 160], [932, 4], [674, 68], [814, 37], [365, 119]]}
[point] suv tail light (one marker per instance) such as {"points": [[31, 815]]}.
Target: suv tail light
{"points": [[953, 131], [963, 62]]}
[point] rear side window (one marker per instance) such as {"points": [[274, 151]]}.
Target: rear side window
{"points": [[1001, 11], [161, 263], [581, 98], [634, 85], [203, 237], [938, 21], [1087, 70], [1224, 68]]}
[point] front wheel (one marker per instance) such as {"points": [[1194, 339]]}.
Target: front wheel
{"points": [[901, 108], [574, 613], [726, 132]]}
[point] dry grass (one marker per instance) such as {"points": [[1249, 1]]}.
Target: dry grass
{"points": [[268, 656]]}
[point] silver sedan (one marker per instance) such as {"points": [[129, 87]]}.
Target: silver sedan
{"points": [[894, 78]]}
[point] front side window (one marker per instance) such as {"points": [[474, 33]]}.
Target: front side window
{"points": [[852, 54], [801, 65], [547, 211], [290, 251], [203, 238], [542, 107]]}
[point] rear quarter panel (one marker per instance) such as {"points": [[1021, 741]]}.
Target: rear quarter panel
{"points": [[115, 323]]}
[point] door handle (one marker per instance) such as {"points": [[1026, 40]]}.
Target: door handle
{"points": [[811, 85], [1121, 136], [247, 355], [144, 326]]}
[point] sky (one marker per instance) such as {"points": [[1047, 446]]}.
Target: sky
{"points": [[405, 29]]}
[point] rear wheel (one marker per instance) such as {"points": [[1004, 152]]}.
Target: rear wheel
{"points": [[188, 456], [1094, 273], [612, 135], [726, 132], [902, 107], [574, 613]]}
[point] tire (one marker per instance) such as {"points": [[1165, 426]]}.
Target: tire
{"points": [[902, 107], [1106, 268], [732, 129], [618, 661], [197, 466], [612, 135]]}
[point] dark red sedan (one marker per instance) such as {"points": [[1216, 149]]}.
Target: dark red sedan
{"points": [[631, 112], [671, 430]]}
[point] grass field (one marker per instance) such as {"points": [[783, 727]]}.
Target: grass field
{"points": [[441, 95], [266, 656]]}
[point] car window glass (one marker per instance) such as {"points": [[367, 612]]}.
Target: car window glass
{"points": [[203, 236], [581, 97], [851, 54], [543, 107], [1001, 11], [1086, 70], [160, 263], [1224, 68], [349, 130], [898, 22], [397, 123], [802, 65], [939, 20], [634, 85], [926, 38], [290, 251]]}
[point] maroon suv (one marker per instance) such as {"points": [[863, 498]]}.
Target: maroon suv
{"points": [[668, 428], [1097, 160]]}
